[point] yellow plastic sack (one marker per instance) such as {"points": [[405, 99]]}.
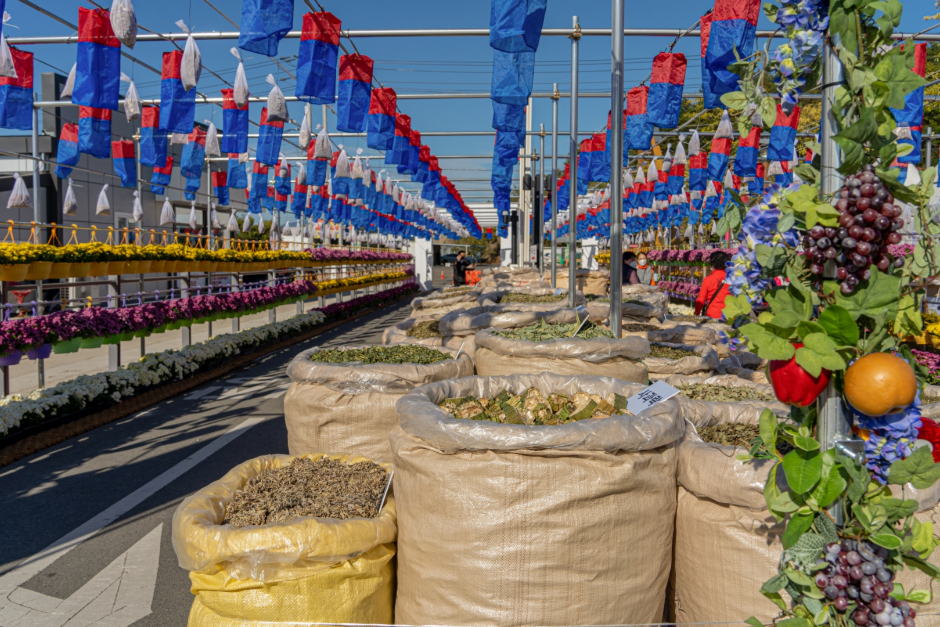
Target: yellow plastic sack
{"points": [[305, 570]]}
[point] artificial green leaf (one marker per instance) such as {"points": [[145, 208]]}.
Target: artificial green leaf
{"points": [[776, 598], [805, 443], [768, 111], [784, 503], [802, 469], [831, 482], [852, 140], [896, 509], [887, 540], [753, 622], [822, 616], [889, 176], [772, 492], [826, 528], [908, 320], [769, 342], [768, 429], [839, 325], [807, 173], [859, 475], [922, 565], [772, 259], [800, 579], [813, 604], [919, 470], [805, 327], [799, 524], [863, 515], [924, 541], [765, 317], [775, 583], [736, 306], [919, 596], [786, 222], [817, 353], [806, 549], [894, 69], [735, 100], [788, 307], [877, 294]]}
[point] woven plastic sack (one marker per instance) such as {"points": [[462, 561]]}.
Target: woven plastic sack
{"points": [[398, 334], [705, 360], [69, 84], [599, 311], [69, 205], [495, 297], [592, 282], [470, 321], [708, 413], [277, 106], [350, 408], [686, 334], [307, 570], [931, 410], [124, 22], [609, 357], [19, 196], [532, 494]]}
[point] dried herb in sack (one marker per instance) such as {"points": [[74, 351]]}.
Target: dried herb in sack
{"points": [[637, 327], [533, 408], [723, 394], [515, 297], [695, 319], [543, 332], [405, 354], [929, 400], [667, 352], [325, 488], [425, 330], [450, 293], [731, 434]]}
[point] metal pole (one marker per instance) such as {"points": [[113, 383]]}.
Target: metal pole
{"points": [[35, 146], [572, 157], [526, 214], [554, 184], [833, 423], [538, 223], [616, 168], [532, 214], [140, 223]]}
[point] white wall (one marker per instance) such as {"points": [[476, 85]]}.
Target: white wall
{"points": [[423, 260]]}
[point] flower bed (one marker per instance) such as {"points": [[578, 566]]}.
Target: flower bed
{"points": [[27, 334], [697, 257], [682, 291], [171, 365]]}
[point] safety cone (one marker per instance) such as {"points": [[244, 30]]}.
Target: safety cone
{"points": [[442, 275]]}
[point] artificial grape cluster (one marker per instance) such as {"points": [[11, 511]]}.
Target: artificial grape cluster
{"points": [[868, 222], [855, 572]]}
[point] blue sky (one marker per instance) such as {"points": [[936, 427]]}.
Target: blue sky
{"points": [[413, 65]]}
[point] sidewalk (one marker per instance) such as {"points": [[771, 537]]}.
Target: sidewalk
{"points": [[24, 376]]}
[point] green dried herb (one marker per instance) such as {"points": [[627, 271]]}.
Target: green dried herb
{"points": [[695, 319], [731, 434], [404, 354], [425, 330], [533, 408], [325, 488], [637, 327], [451, 292], [667, 352], [543, 332], [515, 297], [723, 394], [929, 400]]}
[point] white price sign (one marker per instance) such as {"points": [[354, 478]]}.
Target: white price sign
{"points": [[656, 393]]}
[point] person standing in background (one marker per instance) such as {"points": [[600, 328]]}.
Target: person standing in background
{"points": [[711, 298], [460, 268], [644, 272], [629, 269]]}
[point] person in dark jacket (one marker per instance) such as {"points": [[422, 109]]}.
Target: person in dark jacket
{"points": [[630, 276], [460, 268]]}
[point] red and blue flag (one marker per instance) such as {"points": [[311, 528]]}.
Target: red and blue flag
{"points": [[161, 177], [236, 172], [316, 60], [220, 187], [720, 152], [94, 132], [123, 153], [316, 168], [666, 84], [264, 23], [259, 186], [745, 159], [234, 124], [516, 25], [270, 134], [355, 92], [16, 94], [67, 153], [401, 142], [194, 154], [912, 115], [177, 106], [783, 134], [732, 36], [153, 141], [638, 132], [380, 130], [98, 64]]}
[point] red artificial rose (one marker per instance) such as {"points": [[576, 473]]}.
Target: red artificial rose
{"points": [[930, 431]]}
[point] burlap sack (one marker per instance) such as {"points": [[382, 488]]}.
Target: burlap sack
{"points": [[308, 570], [744, 365], [708, 413], [494, 297], [711, 323], [470, 321], [525, 525], [437, 304], [599, 310], [727, 543], [931, 410], [340, 408], [601, 356], [586, 281], [398, 334], [516, 275], [706, 360]]}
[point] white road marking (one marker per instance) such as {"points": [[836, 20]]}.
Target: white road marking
{"points": [[11, 581], [121, 594], [195, 396]]}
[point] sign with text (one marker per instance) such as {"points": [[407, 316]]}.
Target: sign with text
{"points": [[656, 393]]}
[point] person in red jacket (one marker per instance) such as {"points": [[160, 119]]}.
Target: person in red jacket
{"points": [[711, 298]]}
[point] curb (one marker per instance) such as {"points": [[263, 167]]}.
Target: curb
{"points": [[56, 432]]}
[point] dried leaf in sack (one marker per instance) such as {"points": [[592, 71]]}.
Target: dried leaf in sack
{"points": [[695, 319], [325, 488], [277, 106], [70, 205], [103, 207], [7, 68], [638, 327], [323, 148], [69, 84], [730, 434], [667, 352], [926, 399], [131, 99], [191, 65], [240, 93], [19, 197], [723, 394], [515, 297], [232, 226], [425, 330], [404, 354], [124, 22], [533, 408], [138, 211], [543, 331], [212, 141], [167, 214], [304, 132]]}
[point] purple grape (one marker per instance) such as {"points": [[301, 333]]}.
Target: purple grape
{"points": [[841, 604], [849, 243]]}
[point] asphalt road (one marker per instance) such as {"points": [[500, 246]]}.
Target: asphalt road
{"points": [[87, 523]]}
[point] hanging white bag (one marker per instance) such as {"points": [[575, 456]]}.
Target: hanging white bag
{"points": [[283, 170], [246, 223], [214, 217], [192, 218], [70, 206], [103, 208], [232, 226], [212, 141], [19, 197], [244, 158], [191, 66], [323, 149], [167, 214], [277, 106], [131, 99], [138, 212], [304, 132], [301, 174], [260, 225], [124, 22], [240, 93], [69, 84], [7, 68], [343, 170], [179, 138]]}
